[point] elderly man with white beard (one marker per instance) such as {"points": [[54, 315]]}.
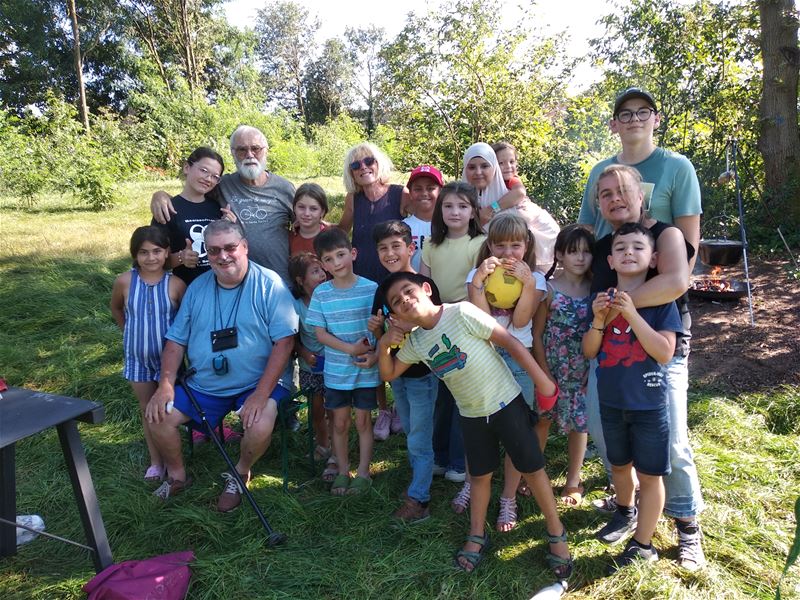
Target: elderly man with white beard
{"points": [[262, 201]]}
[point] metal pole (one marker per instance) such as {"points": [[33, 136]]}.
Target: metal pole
{"points": [[735, 148]]}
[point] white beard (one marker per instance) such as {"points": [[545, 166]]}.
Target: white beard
{"points": [[250, 171]]}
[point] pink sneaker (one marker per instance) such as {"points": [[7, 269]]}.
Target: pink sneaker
{"points": [[396, 426], [382, 425]]}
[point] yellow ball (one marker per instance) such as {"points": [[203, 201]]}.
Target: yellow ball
{"points": [[502, 290]]}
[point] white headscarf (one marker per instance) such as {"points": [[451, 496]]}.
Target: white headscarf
{"points": [[497, 187]]}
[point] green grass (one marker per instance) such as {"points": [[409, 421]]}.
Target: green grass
{"points": [[57, 264]]}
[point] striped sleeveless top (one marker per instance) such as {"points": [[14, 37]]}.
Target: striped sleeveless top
{"points": [[148, 315]]}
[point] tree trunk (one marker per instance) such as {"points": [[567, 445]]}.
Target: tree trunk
{"points": [[779, 142], [76, 53]]}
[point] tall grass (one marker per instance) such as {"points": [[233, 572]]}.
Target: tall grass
{"points": [[56, 269]]}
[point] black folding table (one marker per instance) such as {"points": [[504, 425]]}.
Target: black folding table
{"points": [[24, 413]]}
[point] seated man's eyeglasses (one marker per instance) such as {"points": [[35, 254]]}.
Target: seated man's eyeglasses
{"points": [[216, 250], [242, 151], [626, 116]]}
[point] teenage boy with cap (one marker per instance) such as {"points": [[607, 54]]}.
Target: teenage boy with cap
{"points": [[423, 186], [672, 195]]}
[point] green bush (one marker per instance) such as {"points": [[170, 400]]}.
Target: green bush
{"points": [[332, 141]]}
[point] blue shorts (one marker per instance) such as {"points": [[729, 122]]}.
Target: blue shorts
{"points": [[638, 436], [361, 398], [216, 407]]}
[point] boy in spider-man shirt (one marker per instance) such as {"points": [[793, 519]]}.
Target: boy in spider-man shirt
{"points": [[632, 351]]}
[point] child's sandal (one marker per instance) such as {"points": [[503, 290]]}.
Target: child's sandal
{"points": [[461, 500], [507, 515], [559, 566], [473, 559]]}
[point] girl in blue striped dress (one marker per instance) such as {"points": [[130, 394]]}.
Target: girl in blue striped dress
{"points": [[143, 303]]}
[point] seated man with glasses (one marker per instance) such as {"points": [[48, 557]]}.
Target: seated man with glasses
{"points": [[237, 325], [262, 201]]}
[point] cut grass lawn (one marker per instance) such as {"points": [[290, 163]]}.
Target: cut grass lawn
{"points": [[57, 264]]}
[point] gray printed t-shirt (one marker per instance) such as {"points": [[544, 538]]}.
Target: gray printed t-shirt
{"points": [[265, 212]]}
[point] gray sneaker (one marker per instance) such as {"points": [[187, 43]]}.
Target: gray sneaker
{"points": [[618, 528], [631, 554], [690, 549]]}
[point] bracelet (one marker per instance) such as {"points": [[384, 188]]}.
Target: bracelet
{"points": [[495, 207], [600, 329], [479, 288]]}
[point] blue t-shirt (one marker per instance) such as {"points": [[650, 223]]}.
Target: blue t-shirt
{"points": [[345, 314], [627, 377], [265, 314]]}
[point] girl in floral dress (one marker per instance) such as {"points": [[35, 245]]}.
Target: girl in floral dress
{"points": [[563, 317]]}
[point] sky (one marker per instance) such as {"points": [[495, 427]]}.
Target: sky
{"points": [[577, 17]]}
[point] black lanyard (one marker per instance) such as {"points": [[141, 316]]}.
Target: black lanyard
{"points": [[235, 308]]}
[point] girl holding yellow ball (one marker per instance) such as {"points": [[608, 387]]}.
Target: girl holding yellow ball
{"points": [[506, 285]]}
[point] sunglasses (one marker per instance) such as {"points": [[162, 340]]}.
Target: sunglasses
{"points": [[367, 161], [242, 151]]}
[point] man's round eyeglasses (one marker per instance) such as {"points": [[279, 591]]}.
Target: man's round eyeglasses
{"points": [[242, 151], [626, 116]]}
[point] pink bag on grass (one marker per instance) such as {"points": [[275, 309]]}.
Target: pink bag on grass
{"points": [[163, 577]]}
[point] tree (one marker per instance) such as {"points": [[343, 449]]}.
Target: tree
{"points": [[175, 35], [76, 52], [38, 53], [779, 141], [364, 45], [456, 76], [700, 62], [286, 45], [328, 82]]}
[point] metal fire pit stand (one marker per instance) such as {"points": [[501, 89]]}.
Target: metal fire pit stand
{"points": [[730, 161]]}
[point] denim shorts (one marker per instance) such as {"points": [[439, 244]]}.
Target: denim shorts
{"points": [[638, 436], [361, 398], [216, 407]]}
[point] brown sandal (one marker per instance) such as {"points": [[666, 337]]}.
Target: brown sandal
{"points": [[572, 495]]}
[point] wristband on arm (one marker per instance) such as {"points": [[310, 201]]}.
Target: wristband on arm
{"points": [[546, 402]]}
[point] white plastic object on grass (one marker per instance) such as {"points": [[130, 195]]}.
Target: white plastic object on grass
{"points": [[551, 592], [33, 521]]}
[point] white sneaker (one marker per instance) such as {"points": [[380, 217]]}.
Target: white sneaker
{"points": [[455, 476], [34, 522], [439, 470]]}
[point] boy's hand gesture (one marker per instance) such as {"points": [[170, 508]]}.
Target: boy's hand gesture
{"points": [[602, 303], [366, 360], [375, 323], [393, 337], [624, 304], [360, 347]]}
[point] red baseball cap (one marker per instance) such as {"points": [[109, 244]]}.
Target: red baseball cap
{"points": [[426, 171]]}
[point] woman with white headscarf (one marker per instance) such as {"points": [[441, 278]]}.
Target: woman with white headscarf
{"points": [[482, 171]]}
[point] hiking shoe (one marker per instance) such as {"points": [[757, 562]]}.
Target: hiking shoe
{"points": [[608, 504], [455, 476], [231, 495], [395, 426], [412, 511], [382, 425], [439, 470], [690, 548], [632, 553], [618, 528], [172, 487]]}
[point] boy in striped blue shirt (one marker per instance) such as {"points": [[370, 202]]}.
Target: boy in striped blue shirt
{"points": [[339, 312]]}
